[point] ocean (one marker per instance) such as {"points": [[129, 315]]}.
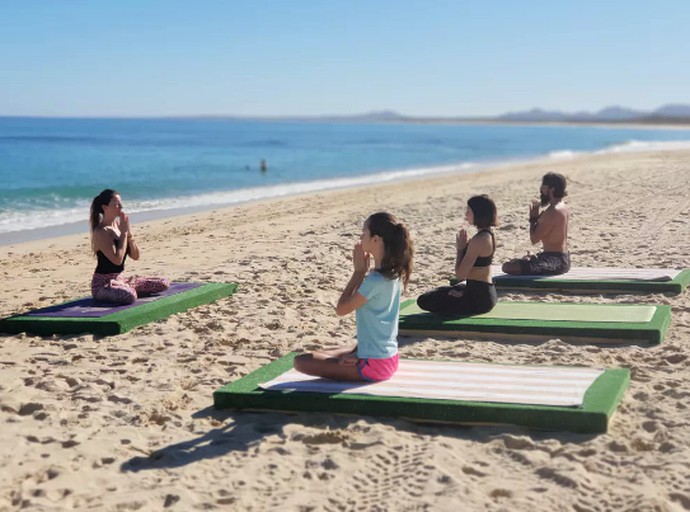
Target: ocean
{"points": [[50, 169]]}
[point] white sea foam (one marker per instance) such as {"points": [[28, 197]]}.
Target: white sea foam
{"points": [[565, 154], [631, 146], [635, 146], [20, 220], [13, 221], [17, 220]]}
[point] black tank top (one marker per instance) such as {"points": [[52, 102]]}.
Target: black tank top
{"points": [[484, 261], [105, 266]]}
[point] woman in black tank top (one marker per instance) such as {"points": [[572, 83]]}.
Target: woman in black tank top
{"points": [[112, 242], [472, 265]]}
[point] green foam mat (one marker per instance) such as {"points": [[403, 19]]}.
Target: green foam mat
{"points": [[122, 321], [600, 402], [594, 323]]}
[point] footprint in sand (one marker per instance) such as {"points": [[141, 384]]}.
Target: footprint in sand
{"points": [[394, 474], [518, 442], [324, 438], [558, 478], [501, 493], [469, 470], [29, 408], [682, 498]]}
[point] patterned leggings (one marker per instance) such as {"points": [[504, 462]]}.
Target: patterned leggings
{"points": [[116, 289]]}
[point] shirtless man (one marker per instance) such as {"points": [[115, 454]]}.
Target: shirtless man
{"points": [[550, 227]]}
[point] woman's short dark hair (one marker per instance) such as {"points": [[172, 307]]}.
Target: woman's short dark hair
{"points": [[483, 210], [556, 182]]}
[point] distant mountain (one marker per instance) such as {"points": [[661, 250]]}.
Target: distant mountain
{"points": [[382, 115], [609, 114], [536, 114], [673, 111], [606, 114], [667, 114], [618, 114], [376, 116]]}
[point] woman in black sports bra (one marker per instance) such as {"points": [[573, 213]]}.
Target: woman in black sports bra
{"points": [[472, 264], [112, 242]]}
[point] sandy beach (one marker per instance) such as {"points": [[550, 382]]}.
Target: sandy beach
{"points": [[126, 423]]}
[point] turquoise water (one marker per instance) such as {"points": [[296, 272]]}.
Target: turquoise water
{"points": [[50, 169]]}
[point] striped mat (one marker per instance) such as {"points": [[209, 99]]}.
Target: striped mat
{"points": [[476, 382], [558, 312], [600, 274]]}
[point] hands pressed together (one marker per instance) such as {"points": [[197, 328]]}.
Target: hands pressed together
{"points": [[125, 226], [461, 240], [360, 259], [534, 209]]}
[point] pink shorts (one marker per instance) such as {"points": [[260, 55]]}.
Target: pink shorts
{"points": [[377, 369]]}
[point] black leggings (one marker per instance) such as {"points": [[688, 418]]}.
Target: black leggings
{"points": [[477, 297]]}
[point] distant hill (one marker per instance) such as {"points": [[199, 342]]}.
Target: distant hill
{"points": [[667, 114], [619, 113], [536, 114], [613, 114], [673, 111], [376, 116]]}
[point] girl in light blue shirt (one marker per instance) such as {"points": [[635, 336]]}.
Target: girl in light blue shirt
{"points": [[375, 297]]}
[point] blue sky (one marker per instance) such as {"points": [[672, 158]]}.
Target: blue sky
{"points": [[292, 57]]}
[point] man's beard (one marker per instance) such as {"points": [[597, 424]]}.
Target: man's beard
{"points": [[544, 199]]}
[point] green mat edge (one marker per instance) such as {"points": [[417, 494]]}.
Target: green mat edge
{"points": [[676, 286], [653, 331], [600, 402], [123, 321]]}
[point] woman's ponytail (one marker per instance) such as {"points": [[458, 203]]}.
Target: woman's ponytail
{"points": [[398, 248], [97, 204]]}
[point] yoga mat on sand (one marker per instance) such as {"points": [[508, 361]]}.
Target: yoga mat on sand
{"points": [[88, 316], [573, 399], [593, 323], [600, 280], [88, 307]]}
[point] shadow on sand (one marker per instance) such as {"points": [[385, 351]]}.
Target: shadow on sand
{"points": [[241, 430]]}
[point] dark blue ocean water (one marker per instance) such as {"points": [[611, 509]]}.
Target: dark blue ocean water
{"points": [[50, 169]]}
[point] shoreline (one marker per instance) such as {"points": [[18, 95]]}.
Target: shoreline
{"points": [[317, 187], [12, 238], [275, 192]]}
